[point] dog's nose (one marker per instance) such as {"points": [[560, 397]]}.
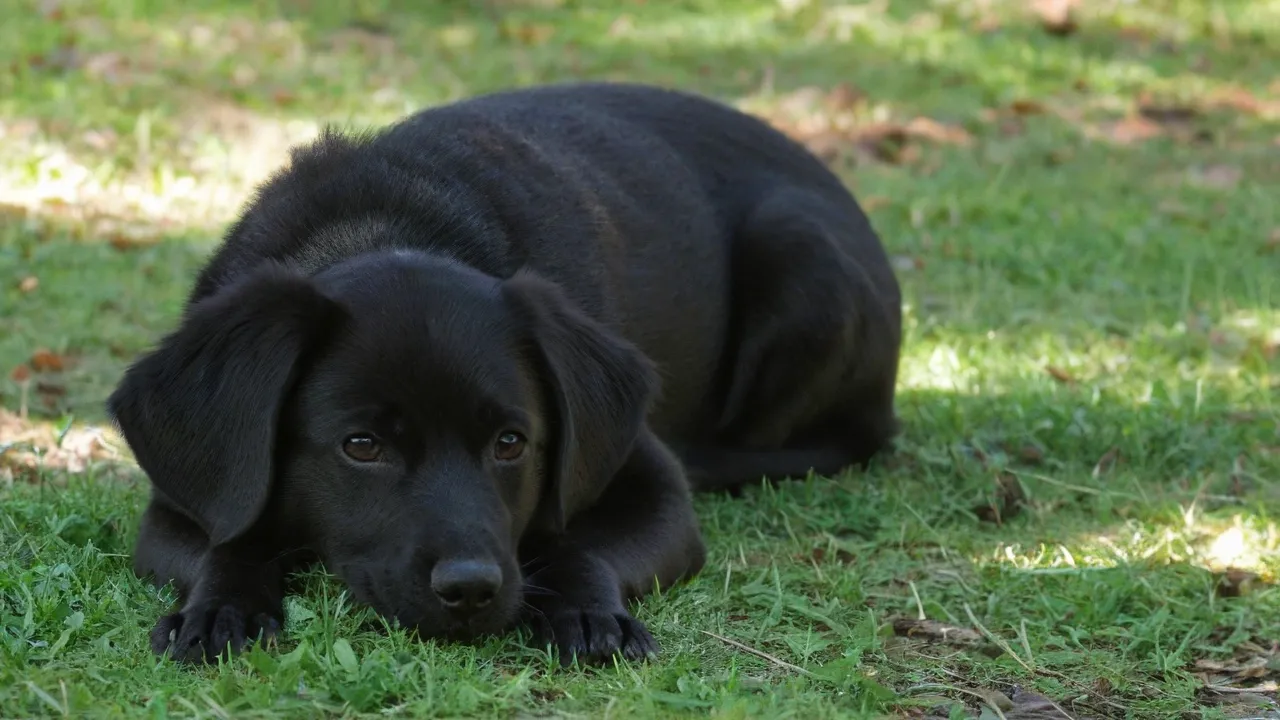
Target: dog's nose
{"points": [[466, 585]]}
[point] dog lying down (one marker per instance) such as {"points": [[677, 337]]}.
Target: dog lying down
{"points": [[476, 363]]}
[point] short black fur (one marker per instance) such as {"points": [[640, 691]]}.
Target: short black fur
{"points": [[476, 362]]}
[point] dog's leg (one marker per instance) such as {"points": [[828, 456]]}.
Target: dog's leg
{"points": [[816, 335], [641, 534], [229, 595]]}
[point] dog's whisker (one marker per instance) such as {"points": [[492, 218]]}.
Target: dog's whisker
{"points": [[537, 590]]}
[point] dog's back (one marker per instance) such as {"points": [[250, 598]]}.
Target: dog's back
{"points": [[635, 199]]}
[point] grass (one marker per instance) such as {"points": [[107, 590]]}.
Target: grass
{"points": [[1087, 237]]}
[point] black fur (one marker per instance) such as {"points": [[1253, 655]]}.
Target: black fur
{"points": [[653, 291]]}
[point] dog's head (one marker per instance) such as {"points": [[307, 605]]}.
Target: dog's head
{"points": [[408, 418]]}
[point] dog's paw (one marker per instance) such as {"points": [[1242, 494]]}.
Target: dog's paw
{"points": [[594, 636], [203, 631]]}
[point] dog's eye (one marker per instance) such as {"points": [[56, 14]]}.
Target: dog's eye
{"points": [[509, 446], [362, 448]]}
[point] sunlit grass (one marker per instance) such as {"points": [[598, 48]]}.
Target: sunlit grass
{"points": [[1090, 319]]}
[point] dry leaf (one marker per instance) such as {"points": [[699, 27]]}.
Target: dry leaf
{"points": [[988, 24], [125, 239], [29, 284], [844, 557], [875, 202], [1059, 374], [885, 142], [1007, 504], [1027, 107], [47, 361], [530, 33], [1250, 668], [20, 374], [1031, 454], [1107, 461], [1026, 705], [1167, 114], [1057, 17], [844, 96], [1240, 485], [1235, 582], [1272, 243], [1237, 99], [35, 445], [1132, 129], [938, 132], [934, 631]]}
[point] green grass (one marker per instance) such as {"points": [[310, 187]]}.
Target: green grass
{"points": [[1091, 346]]}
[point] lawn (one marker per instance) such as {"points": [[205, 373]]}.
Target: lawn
{"points": [[1080, 518]]}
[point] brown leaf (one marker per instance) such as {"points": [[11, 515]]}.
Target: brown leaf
{"points": [[35, 445], [28, 284], [1026, 705], [1131, 130], [988, 23], [1167, 114], [1107, 461], [886, 142], [282, 97], [43, 361], [1027, 107], [1007, 504], [1240, 485], [1272, 243], [934, 631], [1057, 17], [1059, 374], [56, 390], [844, 96], [875, 202], [844, 557], [1234, 582], [50, 394], [1237, 99], [1237, 668], [1031, 454], [125, 239], [941, 133], [530, 33], [20, 374], [52, 10]]}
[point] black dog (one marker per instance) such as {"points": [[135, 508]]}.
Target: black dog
{"points": [[467, 362]]}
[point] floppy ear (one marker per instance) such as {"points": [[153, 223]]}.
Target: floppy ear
{"points": [[200, 411], [602, 386]]}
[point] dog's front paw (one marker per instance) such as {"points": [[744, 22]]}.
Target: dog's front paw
{"points": [[202, 631], [594, 635]]}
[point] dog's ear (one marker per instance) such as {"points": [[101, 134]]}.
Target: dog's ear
{"points": [[200, 410], [602, 386]]}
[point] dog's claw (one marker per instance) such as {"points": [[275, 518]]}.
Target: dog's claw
{"points": [[202, 632], [594, 636]]}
